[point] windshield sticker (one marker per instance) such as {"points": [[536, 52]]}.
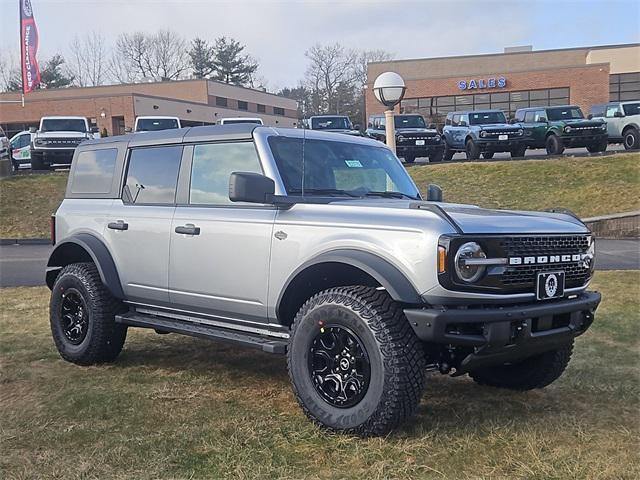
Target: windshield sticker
{"points": [[353, 163]]}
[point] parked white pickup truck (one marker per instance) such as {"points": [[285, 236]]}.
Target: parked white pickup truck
{"points": [[154, 123], [57, 138], [623, 122]]}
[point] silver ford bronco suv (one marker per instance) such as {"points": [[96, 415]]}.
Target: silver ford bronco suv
{"points": [[317, 246]]}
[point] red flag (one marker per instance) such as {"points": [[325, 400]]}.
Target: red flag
{"points": [[28, 47]]}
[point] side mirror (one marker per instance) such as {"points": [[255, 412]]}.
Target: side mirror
{"points": [[590, 116], [434, 193], [356, 126], [251, 187], [542, 120], [94, 130], [33, 129], [128, 130], [462, 123], [618, 114]]}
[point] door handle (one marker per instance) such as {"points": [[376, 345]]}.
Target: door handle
{"points": [[119, 225], [188, 229]]}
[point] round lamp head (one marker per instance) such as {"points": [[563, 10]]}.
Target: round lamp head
{"points": [[389, 88]]}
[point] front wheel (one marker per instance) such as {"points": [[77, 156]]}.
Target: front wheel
{"points": [[37, 163], [355, 364], [533, 372], [631, 138], [518, 152], [448, 153], [554, 145], [82, 316], [409, 158], [598, 147], [437, 156], [472, 150], [488, 155]]}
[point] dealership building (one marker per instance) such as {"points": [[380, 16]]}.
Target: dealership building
{"points": [[520, 77], [115, 107]]}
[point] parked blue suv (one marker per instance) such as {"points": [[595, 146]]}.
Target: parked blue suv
{"points": [[482, 132]]}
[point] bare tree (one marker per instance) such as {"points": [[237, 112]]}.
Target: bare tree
{"points": [[362, 59], [170, 57], [88, 60], [330, 66], [10, 74]]}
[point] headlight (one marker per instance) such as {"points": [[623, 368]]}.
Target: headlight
{"points": [[603, 126], [483, 133], [589, 258], [520, 132], [39, 141], [437, 138], [467, 270], [567, 129]]}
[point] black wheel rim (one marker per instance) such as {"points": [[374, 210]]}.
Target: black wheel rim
{"points": [[339, 366], [629, 140], [74, 317]]}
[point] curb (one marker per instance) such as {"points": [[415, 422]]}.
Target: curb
{"points": [[25, 241]]}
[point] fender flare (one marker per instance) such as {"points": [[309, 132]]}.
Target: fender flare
{"points": [[99, 254], [630, 125], [386, 274]]}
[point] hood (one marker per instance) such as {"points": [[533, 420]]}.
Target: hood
{"points": [[583, 122], [342, 130], [417, 130], [62, 134], [491, 126], [471, 219]]}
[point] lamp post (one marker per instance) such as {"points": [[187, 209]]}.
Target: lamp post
{"points": [[389, 89]]}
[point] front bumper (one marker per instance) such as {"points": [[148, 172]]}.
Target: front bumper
{"points": [[419, 150], [583, 140], [500, 334], [58, 156], [491, 145]]}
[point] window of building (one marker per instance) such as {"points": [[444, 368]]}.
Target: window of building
{"points": [[93, 171], [243, 105], [624, 86], [261, 108], [221, 102], [212, 166], [278, 111], [152, 175]]}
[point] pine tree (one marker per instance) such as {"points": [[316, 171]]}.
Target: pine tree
{"points": [[52, 76], [202, 58], [230, 66]]}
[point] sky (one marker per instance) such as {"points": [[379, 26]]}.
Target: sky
{"points": [[278, 32]]}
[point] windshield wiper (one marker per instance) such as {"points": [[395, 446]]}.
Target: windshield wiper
{"points": [[389, 195], [323, 191]]}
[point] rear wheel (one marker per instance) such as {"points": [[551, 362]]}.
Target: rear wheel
{"points": [[598, 147], [355, 364], [533, 372], [82, 316], [554, 145], [631, 139], [472, 150]]}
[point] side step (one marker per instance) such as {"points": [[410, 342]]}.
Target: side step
{"points": [[266, 344]]}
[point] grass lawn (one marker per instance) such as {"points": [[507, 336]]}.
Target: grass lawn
{"points": [[178, 407], [587, 186]]}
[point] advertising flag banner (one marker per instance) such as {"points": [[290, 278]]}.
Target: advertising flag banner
{"points": [[28, 47]]}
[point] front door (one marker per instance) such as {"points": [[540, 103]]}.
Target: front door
{"points": [[139, 224], [220, 251]]}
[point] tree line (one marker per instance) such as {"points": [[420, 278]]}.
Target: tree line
{"points": [[333, 82]]}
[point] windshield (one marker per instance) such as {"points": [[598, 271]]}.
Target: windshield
{"points": [[409, 121], [631, 108], [480, 118], [63, 125], [153, 124], [334, 123], [243, 120], [564, 113], [340, 168]]}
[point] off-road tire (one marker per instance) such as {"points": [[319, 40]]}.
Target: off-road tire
{"points": [[472, 150], [631, 138], [448, 153], [554, 145], [488, 155], [104, 338], [597, 147], [409, 159], [396, 357], [533, 372], [437, 156], [518, 152], [37, 163]]}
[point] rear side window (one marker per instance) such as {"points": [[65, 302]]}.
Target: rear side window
{"points": [[93, 171], [212, 166], [152, 175]]}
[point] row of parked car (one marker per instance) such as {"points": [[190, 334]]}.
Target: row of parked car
{"points": [[486, 132]]}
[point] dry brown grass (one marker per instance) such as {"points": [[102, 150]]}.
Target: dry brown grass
{"points": [[178, 407]]}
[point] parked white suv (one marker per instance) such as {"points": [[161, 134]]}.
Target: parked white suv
{"points": [[55, 141], [623, 122], [318, 246], [21, 150], [155, 123]]}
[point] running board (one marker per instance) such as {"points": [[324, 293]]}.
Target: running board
{"points": [[266, 344]]}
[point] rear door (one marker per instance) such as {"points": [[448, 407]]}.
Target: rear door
{"points": [[220, 251], [139, 224]]}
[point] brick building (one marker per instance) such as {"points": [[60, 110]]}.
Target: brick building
{"points": [[519, 77], [115, 107]]}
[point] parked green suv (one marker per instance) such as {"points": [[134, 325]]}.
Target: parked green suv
{"points": [[557, 128]]}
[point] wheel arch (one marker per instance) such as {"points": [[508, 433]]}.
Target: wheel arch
{"points": [[629, 126], [341, 268], [84, 247]]}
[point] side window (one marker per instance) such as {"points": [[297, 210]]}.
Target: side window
{"points": [[212, 166], [529, 117], [611, 111], [539, 114], [152, 175], [93, 171], [455, 120], [382, 122], [25, 140]]}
